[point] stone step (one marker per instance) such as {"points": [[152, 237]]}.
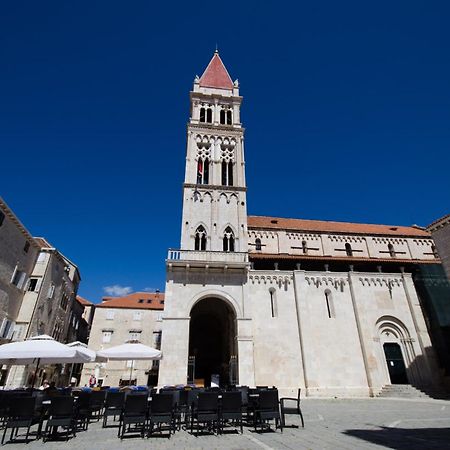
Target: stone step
{"points": [[401, 391]]}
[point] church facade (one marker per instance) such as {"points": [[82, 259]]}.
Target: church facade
{"points": [[330, 307]]}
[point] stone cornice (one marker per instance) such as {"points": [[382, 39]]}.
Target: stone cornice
{"points": [[209, 187]]}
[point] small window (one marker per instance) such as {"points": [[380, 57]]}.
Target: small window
{"points": [[41, 257], [391, 250], [304, 247], [51, 291], [258, 245], [106, 338], [227, 173], [200, 239], [348, 249], [32, 284], [222, 117], [134, 335], [2, 218], [141, 300], [19, 278], [157, 339], [329, 303], [149, 300], [7, 328], [26, 247], [110, 313], [273, 302], [202, 115], [137, 315], [209, 115]]}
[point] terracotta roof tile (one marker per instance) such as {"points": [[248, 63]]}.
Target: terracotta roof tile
{"points": [[216, 75], [136, 300], [322, 226], [83, 301]]}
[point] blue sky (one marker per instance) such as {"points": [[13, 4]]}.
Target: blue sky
{"points": [[346, 109]]}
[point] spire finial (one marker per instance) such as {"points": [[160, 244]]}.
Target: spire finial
{"points": [[217, 49]]}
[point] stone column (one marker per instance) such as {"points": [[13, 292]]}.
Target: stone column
{"points": [[245, 352], [175, 350]]}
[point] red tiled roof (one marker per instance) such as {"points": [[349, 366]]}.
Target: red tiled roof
{"points": [[42, 242], [322, 226], [83, 301], [136, 300], [216, 75]]}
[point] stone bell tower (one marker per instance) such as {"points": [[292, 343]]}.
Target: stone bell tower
{"points": [[214, 200], [207, 330]]}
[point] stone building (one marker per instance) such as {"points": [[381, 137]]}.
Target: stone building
{"points": [[329, 307], [18, 253], [48, 307], [440, 230], [116, 320]]}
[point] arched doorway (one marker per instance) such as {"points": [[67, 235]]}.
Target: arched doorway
{"points": [[212, 341], [395, 363]]}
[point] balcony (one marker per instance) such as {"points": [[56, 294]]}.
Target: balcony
{"points": [[206, 259]]}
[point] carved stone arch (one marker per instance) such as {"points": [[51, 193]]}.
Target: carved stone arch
{"points": [[228, 225], [223, 197], [201, 224], [392, 325], [197, 196], [214, 293], [207, 196], [234, 197]]}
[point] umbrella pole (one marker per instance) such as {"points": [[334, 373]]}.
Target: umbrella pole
{"points": [[35, 373], [131, 370]]}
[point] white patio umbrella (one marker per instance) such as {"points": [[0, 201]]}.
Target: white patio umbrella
{"points": [[83, 349], [132, 350], [39, 349]]}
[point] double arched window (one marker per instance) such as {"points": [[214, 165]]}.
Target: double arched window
{"points": [[206, 115], [200, 238], [258, 245], [228, 240], [225, 117], [304, 247], [391, 250]]}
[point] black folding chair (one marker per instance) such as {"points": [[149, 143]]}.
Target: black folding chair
{"points": [[21, 414], [82, 411], [96, 404], [206, 412], [134, 413], [290, 405], [268, 408], [114, 403], [231, 409], [162, 412], [60, 414]]}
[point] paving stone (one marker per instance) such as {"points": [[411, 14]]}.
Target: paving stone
{"points": [[329, 424]]}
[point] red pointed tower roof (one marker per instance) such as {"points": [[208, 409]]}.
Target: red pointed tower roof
{"points": [[216, 75]]}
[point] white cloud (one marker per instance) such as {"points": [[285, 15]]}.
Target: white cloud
{"points": [[117, 290]]}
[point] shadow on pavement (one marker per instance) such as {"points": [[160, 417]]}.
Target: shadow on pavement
{"points": [[405, 438]]}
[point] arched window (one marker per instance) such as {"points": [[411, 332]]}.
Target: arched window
{"points": [[229, 117], [203, 171], [227, 173], [200, 239], [348, 249], [202, 115], [209, 115], [222, 116], [304, 247], [391, 250], [329, 302], [258, 245], [228, 240]]}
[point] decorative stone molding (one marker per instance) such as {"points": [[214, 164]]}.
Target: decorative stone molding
{"points": [[342, 238], [380, 281], [427, 242], [261, 234], [278, 279], [386, 240], [336, 282], [303, 237]]}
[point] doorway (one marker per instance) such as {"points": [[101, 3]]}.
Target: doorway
{"points": [[395, 363], [212, 340]]}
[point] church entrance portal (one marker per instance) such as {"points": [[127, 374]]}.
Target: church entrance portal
{"points": [[395, 363], [212, 342]]}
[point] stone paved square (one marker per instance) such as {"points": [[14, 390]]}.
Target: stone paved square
{"points": [[329, 424]]}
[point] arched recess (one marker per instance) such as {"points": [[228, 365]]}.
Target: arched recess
{"points": [[396, 346], [217, 294], [213, 346]]}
